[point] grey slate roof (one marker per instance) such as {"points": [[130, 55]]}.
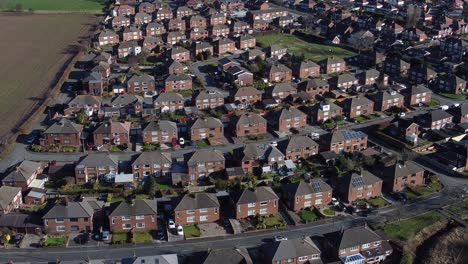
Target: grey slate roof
{"points": [[301, 188], [207, 122], [178, 77], [113, 127], [7, 194], [107, 33], [300, 142], [250, 119], [208, 94], [99, 159], [436, 115], [228, 256], [291, 113], [343, 135], [126, 99], [162, 125], [419, 89], [169, 97], [205, 155], [357, 101], [136, 207], [71, 210], [153, 157], [247, 91], [23, 172], [357, 236], [282, 88], [279, 68], [141, 78], [387, 95], [292, 248], [260, 194], [85, 100], [197, 201], [355, 180], [399, 170], [313, 83], [157, 259]]}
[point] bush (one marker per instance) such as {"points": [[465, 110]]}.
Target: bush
{"points": [[309, 216]]}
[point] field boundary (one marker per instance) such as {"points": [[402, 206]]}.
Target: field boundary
{"points": [[52, 12]]}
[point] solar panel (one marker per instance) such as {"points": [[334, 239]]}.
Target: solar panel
{"points": [[317, 187], [357, 182], [348, 135]]}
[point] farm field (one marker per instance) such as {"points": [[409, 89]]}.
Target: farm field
{"points": [[312, 51], [54, 5], [33, 54]]}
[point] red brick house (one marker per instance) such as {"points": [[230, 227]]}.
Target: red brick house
{"points": [[400, 175], [70, 217], [180, 54], [23, 175], [123, 10], [91, 104], [357, 106], [94, 83], [421, 74], [239, 76], [178, 82], [63, 132], [150, 43], [197, 34], [299, 147], [417, 94], [131, 33], [260, 24], [176, 24], [201, 47], [176, 67], [306, 69], [217, 19], [450, 83], [281, 91], [141, 83], [286, 119], [207, 128], [128, 48], [36, 196], [277, 51], [224, 46], [435, 120], [115, 133], [151, 163], [240, 27], [246, 42], [344, 141], [279, 73], [208, 99], [262, 200], [384, 100], [249, 124], [197, 22], [155, 29], [394, 66], [300, 195], [10, 199], [314, 87], [169, 102], [220, 30], [147, 7], [246, 96], [135, 216], [294, 251], [142, 18], [183, 11], [95, 166], [323, 112], [102, 68], [332, 65], [108, 37], [174, 37], [363, 186], [229, 5], [205, 163], [160, 132], [120, 21], [197, 208], [164, 13]]}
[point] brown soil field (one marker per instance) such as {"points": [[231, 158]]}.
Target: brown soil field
{"points": [[34, 51]]}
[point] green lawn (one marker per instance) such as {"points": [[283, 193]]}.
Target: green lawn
{"points": [[328, 212], [377, 202], [202, 143], [55, 241], [411, 194], [308, 216], [453, 96], [162, 187], [313, 51], [142, 237], [433, 102], [407, 228], [119, 238], [360, 119], [117, 199], [191, 231], [55, 5], [273, 221]]}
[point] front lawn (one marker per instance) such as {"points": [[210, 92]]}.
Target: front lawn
{"points": [[453, 96], [142, 237], [115, 148], [54, 241], [433, 102], [312, 51], [202, 144], [120, 238], [407, 228], [309, 216], [191, 231], [377, 202], [328, 212]]}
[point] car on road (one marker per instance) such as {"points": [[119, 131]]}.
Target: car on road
{"points": [[181, 141], [443, 107], [334, 201], [180, 230], [171, 224], [279, 238], [401, 114], [105, 236]]}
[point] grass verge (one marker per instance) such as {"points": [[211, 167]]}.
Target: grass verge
{"points": [[405, 229], [191, 231]]}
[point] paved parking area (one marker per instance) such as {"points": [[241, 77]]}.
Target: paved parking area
{"points": [[172, 236], [212, 229], [80, 240], [30, 241]]}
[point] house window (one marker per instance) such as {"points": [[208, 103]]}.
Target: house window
{"points": [[126, 218], [315, 256], [74, 228], [250, 205], [303, 258], [59, 220], [203, 218], [204, 210], [342, 251], [263, 203], [190, 219], [354, 248], [263, 211], [140, 225], [190, 211], [290, 260], [140, 217], [126, 226], [46, 222], [73, 219], [367, 245], [60, 228]]}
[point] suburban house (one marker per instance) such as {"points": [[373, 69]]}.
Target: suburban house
{"points": [[306, 69], [95, 166], [68, 217], [357, 106], [115, 133], [163, 131], [286, 119], [281, 91], [324, 111], [246, 96], [141, 83], [217, 18], [131, 33], [301, 195], [178, 82], [204, 163], [164, 13], [249, 124], [362, 186], [436, 120], [370, 77], [297, 251], [314, 87], [460, 113], [265, 157], [224, 45], [421, 74], [405, 128], [246, 42], [207, 128], [394, 66], [299, 147], [417, 94], [358, 245], [208, 99], [400, 175], [197, 208], [344, 141], [332, 65], [239, 76], [450, 83], [169, 102], [262, 200], [135, 216], [276, 51], [63, 132], [279, 73], [35, 196], [151, 163], [10, 199], [108, 37], [343, 82], [88, 103], [385, 100], [229, 255], [120, 21], [178, 53], [155, 29], [23, 175], [128, 48]]}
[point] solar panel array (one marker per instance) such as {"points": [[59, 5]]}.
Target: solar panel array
{"points": [[351, 259], [357, 182], [348, 134], [317, 187]]}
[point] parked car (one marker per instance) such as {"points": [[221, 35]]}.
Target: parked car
{"points": [[444, 107], [180, 230], [314, 135], [401, 114], [105, 236], [171, 224], [334, 201], [181, 141], [279, 238], [274, 143]]}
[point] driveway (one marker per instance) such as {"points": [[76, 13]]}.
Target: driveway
{"points": [[81, 240], [30, 241]]}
